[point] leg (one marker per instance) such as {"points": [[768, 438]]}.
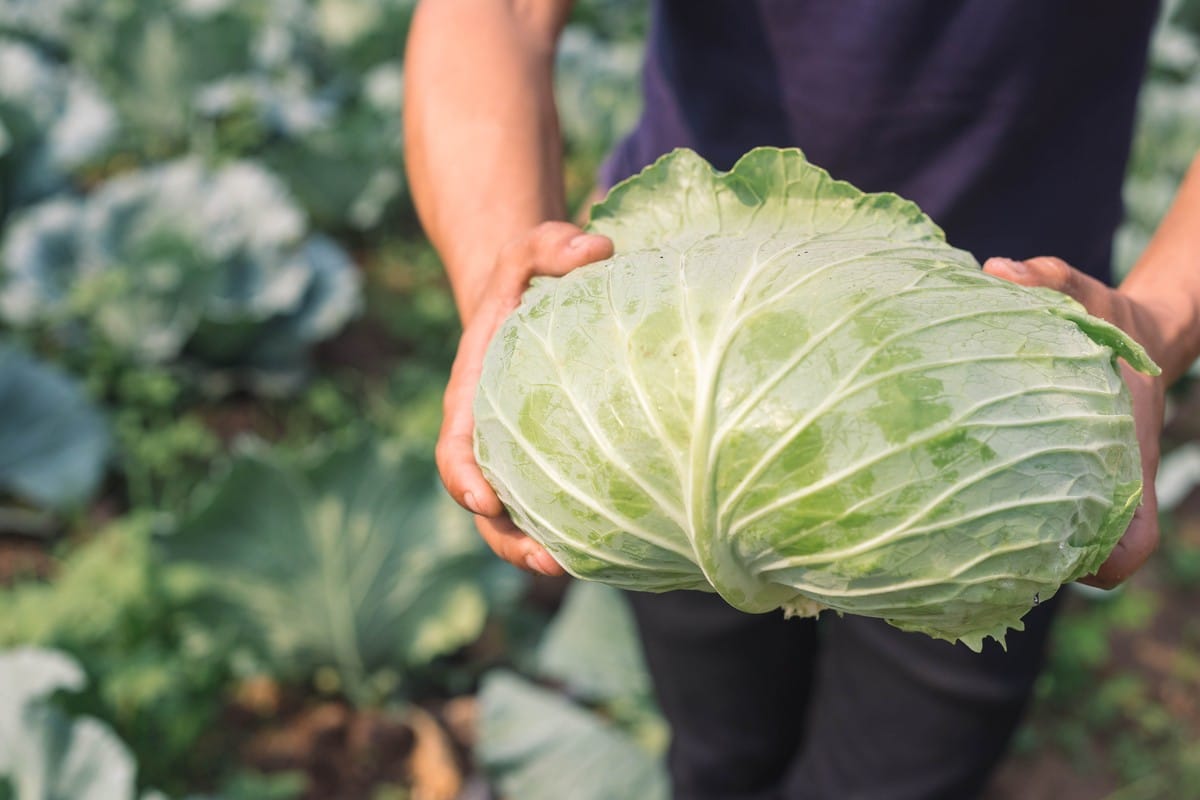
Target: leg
{"points": [[734, 688], [900, 716]]}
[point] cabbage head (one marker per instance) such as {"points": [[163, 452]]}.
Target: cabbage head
{"points": [[799, 395]]}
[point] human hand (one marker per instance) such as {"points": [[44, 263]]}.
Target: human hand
{"points": [[1147, 392], [552, 248]]}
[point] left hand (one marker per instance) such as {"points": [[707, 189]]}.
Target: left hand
{"points": [[1147, 392]]}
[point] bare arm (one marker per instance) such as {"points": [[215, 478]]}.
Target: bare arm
{"points": [[483, 149], [484, 158], [1166, 281]]}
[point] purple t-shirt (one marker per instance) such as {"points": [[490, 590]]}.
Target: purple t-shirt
{"points": [[1008, 121]]}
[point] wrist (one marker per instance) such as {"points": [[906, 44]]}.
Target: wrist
{"points": [[1167, 324]]}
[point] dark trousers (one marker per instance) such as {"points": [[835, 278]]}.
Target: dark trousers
{"points": [[844, 708]]}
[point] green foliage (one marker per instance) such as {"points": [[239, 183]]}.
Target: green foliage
{"points": [[411, 299], [310, 87], [157, 671], [162, 447], [356, 563], [1168, 132], [183, 263], [596, 89], [46, 754], [613, 20], [53, 121], [153, 57], [54, 443], [537, 744], [607, 741], [1108, 714], [591, 646]]}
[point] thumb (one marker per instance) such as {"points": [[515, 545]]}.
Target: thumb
{"points": [[1054, 273]]}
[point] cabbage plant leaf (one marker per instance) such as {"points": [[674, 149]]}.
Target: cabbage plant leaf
{"points": [[44, 753], [536, 743], [54, 443], [798, 395], [591, 646], [355, 561]]}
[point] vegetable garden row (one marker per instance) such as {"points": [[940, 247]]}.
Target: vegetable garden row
{"points": [[227, 567]]}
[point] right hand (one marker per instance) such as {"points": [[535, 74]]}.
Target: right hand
{"points": [[552, 248]]}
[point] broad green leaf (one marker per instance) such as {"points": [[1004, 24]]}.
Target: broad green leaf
{"points": [[538, 745], [45, 754], [53, 442], [359, 562], [592, 646], [158, 663]]}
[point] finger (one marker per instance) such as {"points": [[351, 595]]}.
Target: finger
{"points": [[455, 452], [558, 256], [508, 542], [552, 248], [1054, 273], [1132, 551]]}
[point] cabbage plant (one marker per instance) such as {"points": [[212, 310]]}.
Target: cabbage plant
{"points": [[353, 561], [53, 120], [599, 735], [179, 261], [596, 89], [44, 753], [799, 395], [54, 443]]}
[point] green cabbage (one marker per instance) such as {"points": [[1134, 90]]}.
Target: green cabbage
{"points": [[799, 395]]}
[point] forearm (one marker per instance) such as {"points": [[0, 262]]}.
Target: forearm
{"points": [[1166, 281], [483, 149]]}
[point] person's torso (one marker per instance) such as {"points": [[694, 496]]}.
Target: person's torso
{"points": [[1008, 121]]}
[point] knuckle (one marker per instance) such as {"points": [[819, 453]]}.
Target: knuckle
{"points": [[1060, 272], [535, 249], [549, 238], [554, 230], [513, 251]]}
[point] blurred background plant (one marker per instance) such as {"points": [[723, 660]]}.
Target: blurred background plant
{"points": [[226, 567]]}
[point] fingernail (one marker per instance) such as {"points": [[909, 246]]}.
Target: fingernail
{"points": [[548, 565], [579, 242], [1015, 267], [532, 563], [469, 500]]}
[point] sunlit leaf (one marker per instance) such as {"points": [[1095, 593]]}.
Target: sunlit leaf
{"points": [[53, 442], [45, 754], [359, 562], [537, 744]]}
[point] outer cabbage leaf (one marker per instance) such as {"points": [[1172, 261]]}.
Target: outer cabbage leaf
{"points": [[54, 444], [537, 744], [591, 646], [356, 562], [53, 120], [45, 753], [799, 395]]}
